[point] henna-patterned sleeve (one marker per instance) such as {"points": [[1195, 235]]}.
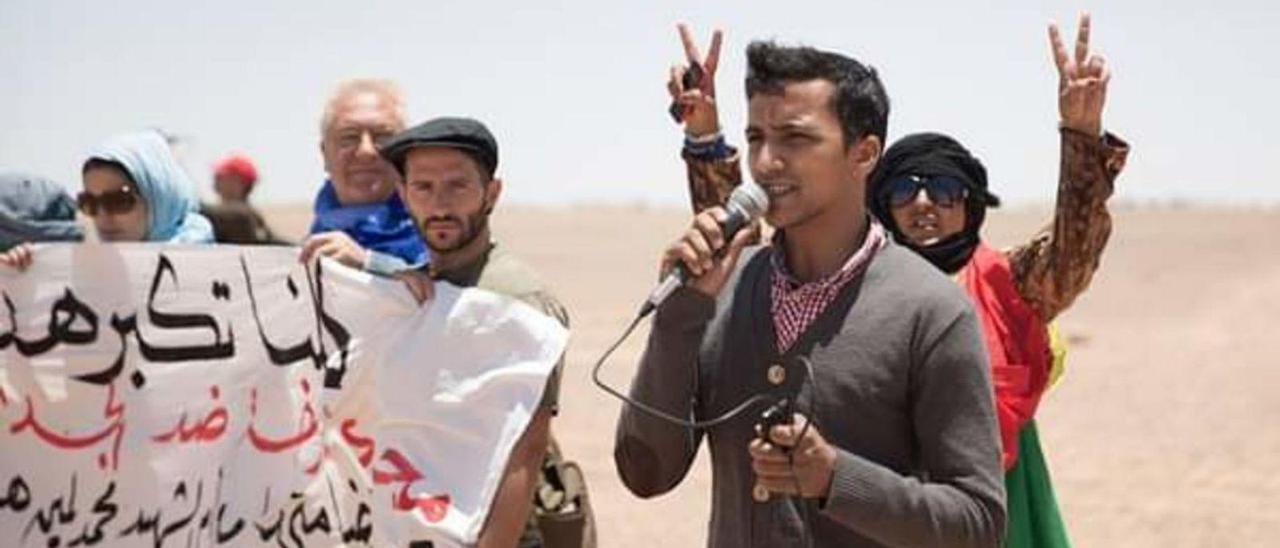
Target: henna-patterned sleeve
{"points": [[712, 178], [1057, 264]]}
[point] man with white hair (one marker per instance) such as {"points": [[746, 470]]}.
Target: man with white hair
{"points": [[359, 219]]}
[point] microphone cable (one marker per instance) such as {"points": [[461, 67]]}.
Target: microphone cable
{"points": [[806, 532], [805, 516], [658, 413]]}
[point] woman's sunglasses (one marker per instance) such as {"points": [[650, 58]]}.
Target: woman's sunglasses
{"points": [[115, 202], [943, 191]]}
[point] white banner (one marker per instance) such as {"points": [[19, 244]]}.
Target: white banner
{"points": [[205, 396]]}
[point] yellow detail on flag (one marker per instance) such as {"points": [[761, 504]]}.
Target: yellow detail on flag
{"points": [[1058, 354]]}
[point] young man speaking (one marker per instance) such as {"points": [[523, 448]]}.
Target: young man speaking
{"points": [[894, 441]]}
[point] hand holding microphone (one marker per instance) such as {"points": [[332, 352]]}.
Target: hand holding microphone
{"points": [[708, 251], [704, 256]]}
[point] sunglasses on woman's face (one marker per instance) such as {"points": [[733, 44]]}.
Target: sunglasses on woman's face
{"points": [[943, 191], [115, 202]]}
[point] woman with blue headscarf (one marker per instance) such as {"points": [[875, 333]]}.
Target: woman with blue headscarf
{"points": [[135, 191]]}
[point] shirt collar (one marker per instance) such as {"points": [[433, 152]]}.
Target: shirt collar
{"points": [[874, 240], [463, 275]]}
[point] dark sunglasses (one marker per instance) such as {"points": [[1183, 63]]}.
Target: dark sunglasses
{"points": [[115, 202], [943, 191]]}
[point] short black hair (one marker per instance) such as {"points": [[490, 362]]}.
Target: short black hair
{"points": [[859, 99]]}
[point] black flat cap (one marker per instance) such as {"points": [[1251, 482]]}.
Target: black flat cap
{"points": [[465, 134]]}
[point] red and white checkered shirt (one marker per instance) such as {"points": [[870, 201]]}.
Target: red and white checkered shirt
{"points": [[795, 305]]}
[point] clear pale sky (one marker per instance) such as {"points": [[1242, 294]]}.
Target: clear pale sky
{"points": [[575, 90]]}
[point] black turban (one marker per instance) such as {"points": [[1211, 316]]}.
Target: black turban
{"points": [[934, 154]]}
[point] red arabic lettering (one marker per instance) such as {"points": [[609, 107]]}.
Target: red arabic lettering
{"points": [[113, 410], [432, 508], [362, 444], [315, 466], [209, 429], [364, 447], [307, 427]]}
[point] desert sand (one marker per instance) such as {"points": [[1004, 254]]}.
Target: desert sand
{"points": [[1164, 432]]}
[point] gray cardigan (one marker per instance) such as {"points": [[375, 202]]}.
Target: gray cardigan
{"points": [[901, 387]]}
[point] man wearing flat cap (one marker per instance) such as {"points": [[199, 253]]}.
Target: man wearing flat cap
{"points": [[449, 186]]}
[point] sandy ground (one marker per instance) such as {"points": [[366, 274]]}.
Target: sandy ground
{"points": [[1165, 431]]}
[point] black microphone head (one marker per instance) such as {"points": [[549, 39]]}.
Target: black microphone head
{"points": [[748, 200]]}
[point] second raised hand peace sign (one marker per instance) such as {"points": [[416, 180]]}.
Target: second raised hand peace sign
{"points": [[696, 103], [1082, 81]]}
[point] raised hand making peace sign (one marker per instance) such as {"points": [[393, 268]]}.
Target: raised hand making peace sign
{"points": [[1082, 81], [697, 104]]}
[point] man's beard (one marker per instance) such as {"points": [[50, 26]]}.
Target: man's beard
{"points": [[469, 229]]}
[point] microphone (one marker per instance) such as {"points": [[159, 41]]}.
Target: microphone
{"points": [[746, 204]]}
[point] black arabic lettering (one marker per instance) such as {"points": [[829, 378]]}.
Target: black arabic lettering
{"points": [[7, 337], [300, 528], [274, 530], [180, 524], [218, 349], [325, 324], [298, 519], [359, 531], [154, 523], [143, 524], [61, 510], [293, 523], [227, 535], [123, 327], [63, 318], [332, 375], [17, 496], [362, 529], [72, 322], [104, 508]]}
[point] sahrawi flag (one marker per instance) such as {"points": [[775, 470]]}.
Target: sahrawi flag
{"points": [[204, 396]]}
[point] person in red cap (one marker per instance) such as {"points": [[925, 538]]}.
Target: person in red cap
{"points": [[233, 178], [234, 220]]}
